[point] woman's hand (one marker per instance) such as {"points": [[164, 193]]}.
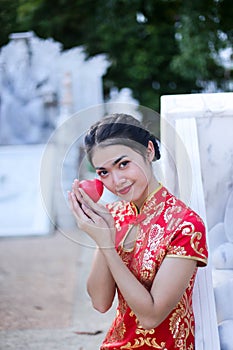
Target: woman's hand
{"points": [[91, 217]]}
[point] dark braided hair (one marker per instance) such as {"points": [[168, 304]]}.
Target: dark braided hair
{"points": [[120, 129]]}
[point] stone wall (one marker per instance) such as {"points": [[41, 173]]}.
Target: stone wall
{"points": [[198, 167]]}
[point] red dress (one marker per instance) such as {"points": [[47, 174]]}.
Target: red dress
{"points": [[166, 228]]}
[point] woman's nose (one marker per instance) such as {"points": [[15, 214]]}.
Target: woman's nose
{"points": [[117, 177]]}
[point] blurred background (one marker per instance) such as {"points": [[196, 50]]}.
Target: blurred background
{"points": [[59, 58], [63, 65], [153, 47]]}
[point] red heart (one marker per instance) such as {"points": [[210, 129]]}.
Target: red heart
{"points": [[93, 188]]}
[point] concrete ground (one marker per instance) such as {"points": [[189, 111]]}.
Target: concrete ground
{"points": [[43, 300]]}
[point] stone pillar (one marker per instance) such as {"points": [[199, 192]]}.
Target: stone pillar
{"points": [[196, 134]]}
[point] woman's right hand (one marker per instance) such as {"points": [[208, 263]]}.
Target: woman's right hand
{"points": [[91, 217]]}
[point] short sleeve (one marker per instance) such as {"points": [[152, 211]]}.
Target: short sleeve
{"points": [[189, 240]]}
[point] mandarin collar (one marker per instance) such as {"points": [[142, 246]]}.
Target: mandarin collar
{"points": [[147, 200]]}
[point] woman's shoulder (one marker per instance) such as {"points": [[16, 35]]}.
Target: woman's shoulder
{"points": [[191, 215], [188, 232], [176, 208]]}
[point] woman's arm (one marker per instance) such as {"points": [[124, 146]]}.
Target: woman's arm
{"points": [[100, 284], [152, 307]]}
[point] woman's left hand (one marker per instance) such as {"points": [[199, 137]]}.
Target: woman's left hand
{"points": [[91, 217]]}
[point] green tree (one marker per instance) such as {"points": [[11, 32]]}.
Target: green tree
{"points": [[203, 29], [155, 47], [8, 19]]}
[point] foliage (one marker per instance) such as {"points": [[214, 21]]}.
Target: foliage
{"points": [[8, 18], [155, 47]]}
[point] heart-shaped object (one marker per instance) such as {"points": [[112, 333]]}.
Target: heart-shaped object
{"points": [[93, 188]]}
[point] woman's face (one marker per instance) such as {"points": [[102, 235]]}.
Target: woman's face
{"points": [[124, 172]]}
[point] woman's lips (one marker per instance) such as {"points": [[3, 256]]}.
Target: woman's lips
{"points": [[124, 190]]}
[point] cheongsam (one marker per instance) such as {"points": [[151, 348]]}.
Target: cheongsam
{"points": [[166, 227]]}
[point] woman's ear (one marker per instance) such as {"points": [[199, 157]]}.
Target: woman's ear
{"points": [[150, 152]]}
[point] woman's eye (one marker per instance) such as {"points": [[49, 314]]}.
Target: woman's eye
{"points": [[123, 164], [102, 173]]}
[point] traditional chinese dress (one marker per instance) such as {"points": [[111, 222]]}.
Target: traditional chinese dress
{"points": [[166, 227]]}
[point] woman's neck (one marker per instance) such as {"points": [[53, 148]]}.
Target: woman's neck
{"points": [[152, 186]]}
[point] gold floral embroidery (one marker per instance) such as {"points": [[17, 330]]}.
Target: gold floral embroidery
{"points": [[182, 322], [120, 210], [173, 223], [144, 332], [117, 330], [188, 229], [156, 209], [196, 237], [139, 342], [148, 219], [177, 251], [173, 216], [131, 314], [149, 253]]}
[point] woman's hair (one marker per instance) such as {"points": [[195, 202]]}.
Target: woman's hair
{"points": [[118, 129]]}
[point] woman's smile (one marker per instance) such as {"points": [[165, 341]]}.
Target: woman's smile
{"points": [[124, 190]]}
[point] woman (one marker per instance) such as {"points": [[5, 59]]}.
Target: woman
{"points": [[149, 243]]}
